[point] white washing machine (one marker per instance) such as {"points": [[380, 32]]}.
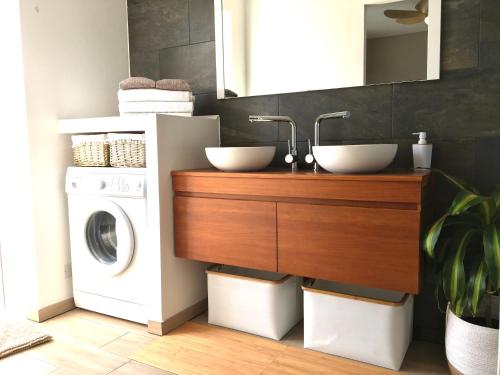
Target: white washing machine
{"points": [[109, 249]]}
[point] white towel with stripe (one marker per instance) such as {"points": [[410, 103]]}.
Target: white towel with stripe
{"points": [[182, 114], [156, 107], [154, 95]]}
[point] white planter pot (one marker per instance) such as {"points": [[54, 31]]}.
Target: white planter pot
{"points": [[471, 349]]}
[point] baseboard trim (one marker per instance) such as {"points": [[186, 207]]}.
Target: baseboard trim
{"points": [[162, 328], [51, 311]]}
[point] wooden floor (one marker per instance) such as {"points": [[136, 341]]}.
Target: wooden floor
{"points": [[90, 343]]}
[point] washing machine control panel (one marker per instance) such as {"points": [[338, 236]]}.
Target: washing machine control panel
{"points": [[118, 185], [128, 184]]}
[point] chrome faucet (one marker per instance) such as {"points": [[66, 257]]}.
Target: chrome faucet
{"points": [[310, 157], [292, 156]]}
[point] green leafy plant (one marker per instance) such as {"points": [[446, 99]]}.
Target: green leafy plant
{"points": [[465, 245]]}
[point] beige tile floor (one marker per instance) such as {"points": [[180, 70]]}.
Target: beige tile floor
{"points": [[89, 343]]}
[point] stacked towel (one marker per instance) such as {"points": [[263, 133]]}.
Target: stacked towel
{"points": [[143, 95]]}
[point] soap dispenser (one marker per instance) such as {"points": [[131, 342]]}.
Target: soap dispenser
{"points": [[422, 152]]}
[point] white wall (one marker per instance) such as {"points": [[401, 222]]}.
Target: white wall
{"points": [[323, 35], [74, 54], [16, 220]]}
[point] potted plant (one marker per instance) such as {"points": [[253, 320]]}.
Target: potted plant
{"points": [[465, 246]]}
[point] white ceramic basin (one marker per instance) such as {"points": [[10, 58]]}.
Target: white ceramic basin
{"points": [[355, 158], [240, 159]]}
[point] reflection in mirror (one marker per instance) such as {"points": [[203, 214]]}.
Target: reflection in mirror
{"points": [[278, 46]]}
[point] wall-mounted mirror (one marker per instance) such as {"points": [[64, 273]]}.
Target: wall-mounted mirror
{"points": [[279, 46]]}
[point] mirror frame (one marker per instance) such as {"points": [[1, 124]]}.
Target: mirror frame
{"points": [[433, 48]]}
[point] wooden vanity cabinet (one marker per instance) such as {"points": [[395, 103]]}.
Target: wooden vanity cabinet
{"points": [[227, 231], [378, 247], [359, 229]]}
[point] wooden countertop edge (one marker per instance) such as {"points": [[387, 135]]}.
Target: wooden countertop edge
{"points": [[396, 176], [357, 298]]}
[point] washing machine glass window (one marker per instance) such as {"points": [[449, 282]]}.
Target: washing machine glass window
{"points": [[108, 236], [101, 237]]}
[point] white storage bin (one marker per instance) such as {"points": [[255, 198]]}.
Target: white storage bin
{"points": [[263, 303], [368, 325]]}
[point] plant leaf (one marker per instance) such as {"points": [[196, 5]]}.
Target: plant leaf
{"points": [[477, 286], [470, 219], [496, 197], [488, 210], [432, 235], [463, 201], [461, 184], [457, 275], [446, 277], [491, 244]]}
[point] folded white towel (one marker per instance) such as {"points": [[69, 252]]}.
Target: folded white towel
{"points": [[154, 95], [79, 139], [183, 114], [126, 136], [156, 107]]}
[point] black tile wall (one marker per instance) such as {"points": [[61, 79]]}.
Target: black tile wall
{"points": [[460, 30], [490, 34], [370, 109], [194, 62], [461, 111], [201, 21], [157, 24]]}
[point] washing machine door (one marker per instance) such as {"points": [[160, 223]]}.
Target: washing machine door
{"points": [[109, 237]]}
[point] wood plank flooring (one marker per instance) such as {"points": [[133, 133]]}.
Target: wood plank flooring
{"points": [[90, 343]]}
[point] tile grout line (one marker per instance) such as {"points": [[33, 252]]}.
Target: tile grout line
{"points": [[119, 367], [110, 325], [116, 338]]}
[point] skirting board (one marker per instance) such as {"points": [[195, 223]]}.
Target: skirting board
{"points": [[51, 311], [162, 328]]}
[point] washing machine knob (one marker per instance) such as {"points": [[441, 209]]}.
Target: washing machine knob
{"points": [[101, 184]]}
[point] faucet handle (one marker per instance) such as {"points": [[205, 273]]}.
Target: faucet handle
{"points": [[291, 156], [309, 157]]}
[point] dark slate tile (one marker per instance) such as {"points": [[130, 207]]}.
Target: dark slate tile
{"points": [[460, 34], [157, 24], [429, 322], [174, 63], [457, 158], [201, 21], [235, 127], [194, 63], [461, 104], [145, 64], [205, 104], [404, 156], [489, 56], [487, 176], [202, 67], [370, 113]]}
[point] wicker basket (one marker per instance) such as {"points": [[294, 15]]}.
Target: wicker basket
{"points": [[90, 151], [127, 150]]}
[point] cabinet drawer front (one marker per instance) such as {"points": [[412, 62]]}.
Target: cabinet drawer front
{"points": [[374, 247], [232, 232]]}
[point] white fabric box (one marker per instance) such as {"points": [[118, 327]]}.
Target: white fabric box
{"points": [[263, 303], [364, 324]]}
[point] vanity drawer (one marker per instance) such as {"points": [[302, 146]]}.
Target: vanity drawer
{"points": [[374, 247], [232, 232]]}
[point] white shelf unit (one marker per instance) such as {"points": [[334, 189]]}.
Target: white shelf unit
{"points": [[177, 287]]}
